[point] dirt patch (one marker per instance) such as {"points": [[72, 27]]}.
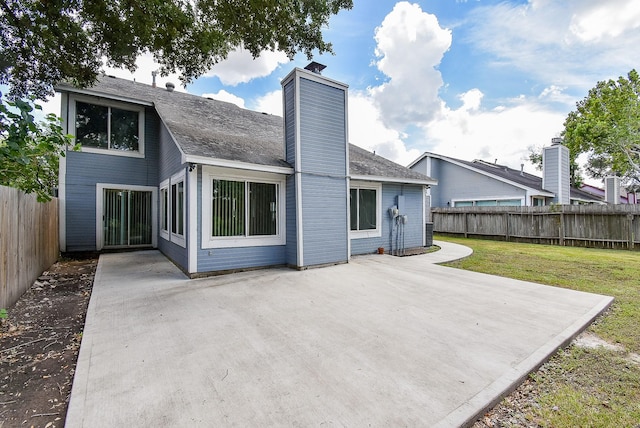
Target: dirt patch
{"points": [[39, 344]]}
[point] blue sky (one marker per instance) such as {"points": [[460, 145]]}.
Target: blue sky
{"points": [[474, 79]]}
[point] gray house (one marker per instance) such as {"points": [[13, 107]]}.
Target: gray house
{"points": [[479, 183], [218, 188]]}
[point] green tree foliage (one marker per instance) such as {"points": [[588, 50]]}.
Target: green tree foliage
{"points": [[606, 126], [30, 151], [45, 42]]}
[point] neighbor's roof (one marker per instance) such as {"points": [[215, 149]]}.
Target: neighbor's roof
{"points": [[512, 176], [207, 128]]}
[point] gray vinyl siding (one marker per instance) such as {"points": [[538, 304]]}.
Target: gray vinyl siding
{"points": [[290, 122], [290, 154], [291, 227], [170, 158], [456, 182], [324, 208], [413, 229], [556, 173], [551, 172], [222, 259], [84, 170], [170, 163], [323, 157], [322, 129]]}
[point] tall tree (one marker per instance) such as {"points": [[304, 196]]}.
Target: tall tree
{"points": [[45, 42], [606, 126], [29, 151]]}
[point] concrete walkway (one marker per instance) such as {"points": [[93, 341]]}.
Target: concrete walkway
{"points": [[381, 341]]}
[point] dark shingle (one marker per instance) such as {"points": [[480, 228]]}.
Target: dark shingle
{"points": [[221, 130]]}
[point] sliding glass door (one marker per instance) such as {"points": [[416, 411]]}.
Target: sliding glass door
{"points": [[127, 218]]}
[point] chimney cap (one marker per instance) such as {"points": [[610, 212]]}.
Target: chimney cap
{"points": [[556, 140], [315, 67]]}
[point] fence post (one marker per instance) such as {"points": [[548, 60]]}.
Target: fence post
{"points": [[630, 218], [506, 226], [562, 227], [466, 226]]}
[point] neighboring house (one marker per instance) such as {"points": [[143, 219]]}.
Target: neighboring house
{"points": [[219, 188], [626, 198], [479, 183]]}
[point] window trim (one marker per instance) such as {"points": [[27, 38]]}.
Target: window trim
{"points": [[474, 202], [214, 173], [71, 128], [370, 233], [100, 187], [168, 234], [165, 214], [174, 181]]}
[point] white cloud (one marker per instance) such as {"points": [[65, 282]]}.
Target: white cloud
{"points": [[240, 67], [269, 103], [223, 95], [503, 133], [146, 65], [410, 45], [567, 43], [598, 20], [368, 131]]}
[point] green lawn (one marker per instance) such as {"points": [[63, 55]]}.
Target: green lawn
{"points": [[578, 387]]}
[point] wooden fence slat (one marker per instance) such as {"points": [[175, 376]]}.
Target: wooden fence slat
{"points": [[29, 241], [608, 226]]}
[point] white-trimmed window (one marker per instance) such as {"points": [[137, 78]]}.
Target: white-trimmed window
{"points": [[164, 209], [177, 207], [107, 127], [242, 210], [173, 209], [365, 208], [498, 202]]}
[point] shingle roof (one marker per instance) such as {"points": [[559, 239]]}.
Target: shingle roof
{"points": [[205, 127], [364, 163], [514, 175], [217, 129], [520, 177]]}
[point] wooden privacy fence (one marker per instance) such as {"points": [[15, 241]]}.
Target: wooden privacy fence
{"points": [[604, 226], [28, 241]]}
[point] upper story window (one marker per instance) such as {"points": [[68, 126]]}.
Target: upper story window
{"points": [[113, 128]]}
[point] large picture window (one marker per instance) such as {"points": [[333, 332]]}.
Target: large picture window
{"points": [[115, 129], [365, 206], [243, 208]]}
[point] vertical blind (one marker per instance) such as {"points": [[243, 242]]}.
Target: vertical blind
{"points": [[127, 218], [238, 207], [228, 208]]}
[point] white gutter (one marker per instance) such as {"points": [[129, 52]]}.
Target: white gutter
{"points": [[204, 160]]}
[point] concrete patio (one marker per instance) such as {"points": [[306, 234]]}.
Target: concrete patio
{"points": [[381, 341]]}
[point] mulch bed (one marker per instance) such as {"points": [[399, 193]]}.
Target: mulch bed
{"points": [[39, 345]]}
